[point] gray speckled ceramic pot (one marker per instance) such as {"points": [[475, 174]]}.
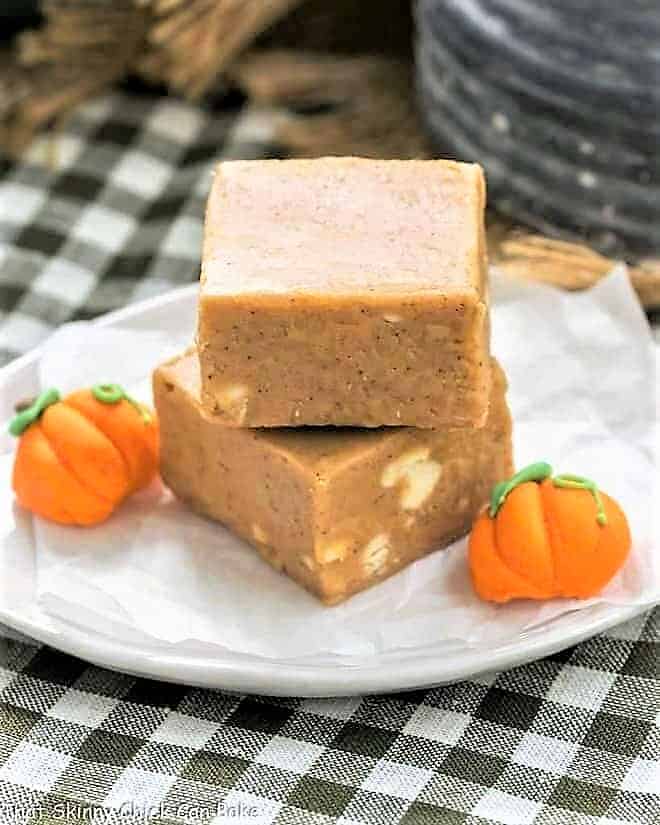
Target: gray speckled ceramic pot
{"points": [[560, 101]]}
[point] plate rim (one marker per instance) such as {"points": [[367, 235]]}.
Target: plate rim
{"points": [[259, 675]]}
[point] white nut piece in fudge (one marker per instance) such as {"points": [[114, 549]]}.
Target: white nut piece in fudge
{"points": [[416, 474], [259, 534], [233, 402], [337, 510], [329, 552], [375, 554]]}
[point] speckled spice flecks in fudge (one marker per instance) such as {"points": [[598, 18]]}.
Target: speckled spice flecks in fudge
{"points": [[345, 291], [337, 510]]}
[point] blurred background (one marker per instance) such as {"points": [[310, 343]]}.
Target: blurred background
{"points": [[558, 101]]}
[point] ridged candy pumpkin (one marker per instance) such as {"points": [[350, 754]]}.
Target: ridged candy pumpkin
{"points": [[79, 457], [545, 537]]}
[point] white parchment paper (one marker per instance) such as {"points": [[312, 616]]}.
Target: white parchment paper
{"points": [[583, 381]]}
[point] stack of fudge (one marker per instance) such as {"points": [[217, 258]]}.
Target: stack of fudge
{"points": [[340, 410]]}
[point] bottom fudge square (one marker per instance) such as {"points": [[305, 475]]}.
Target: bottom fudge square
{"points": [[336, 509]]}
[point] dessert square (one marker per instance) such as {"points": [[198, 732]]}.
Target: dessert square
{"points": [[345, 291], [336, 509]]}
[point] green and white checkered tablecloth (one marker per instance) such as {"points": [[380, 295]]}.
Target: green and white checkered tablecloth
{"points": [[568, 740]]}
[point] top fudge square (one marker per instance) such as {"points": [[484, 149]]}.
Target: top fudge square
{"points": [[345, 291]]}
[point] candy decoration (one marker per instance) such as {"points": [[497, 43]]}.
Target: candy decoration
{"points": [[544, 537], [28, 413], [79, 457]]}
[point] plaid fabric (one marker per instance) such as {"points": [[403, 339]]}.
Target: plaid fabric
{"points": [[117, 221], [572, 739]]}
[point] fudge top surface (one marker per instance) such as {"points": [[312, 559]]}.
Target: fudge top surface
{"points": [[348, 226], [311, 447]]}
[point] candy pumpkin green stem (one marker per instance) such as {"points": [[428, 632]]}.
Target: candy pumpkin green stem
{"points": [[114, 393], [105, 393], [538, 472], [22, 420], [581, 483]]}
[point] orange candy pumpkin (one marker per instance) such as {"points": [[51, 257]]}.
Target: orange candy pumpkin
{"points": [[79, 457], [545, 537]]}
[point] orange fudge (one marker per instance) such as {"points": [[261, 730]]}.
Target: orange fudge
{"points": [[345, 291], [337, 510]]}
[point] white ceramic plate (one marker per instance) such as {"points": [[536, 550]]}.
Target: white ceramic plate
{"points": [[395, 670]]}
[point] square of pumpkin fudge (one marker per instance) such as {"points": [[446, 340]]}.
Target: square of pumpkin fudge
{"points": [[335, 509], [345, 291]]}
